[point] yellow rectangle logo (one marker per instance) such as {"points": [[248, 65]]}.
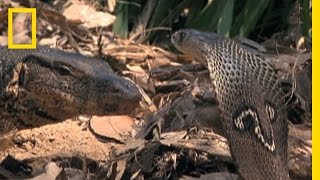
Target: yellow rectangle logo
{"points": [[33, 44]]}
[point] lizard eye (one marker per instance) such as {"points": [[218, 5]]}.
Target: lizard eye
{"points": [[64, 71]]}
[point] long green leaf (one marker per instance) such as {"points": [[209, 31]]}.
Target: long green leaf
{"points": [[306, 17], [120, 26], [216, 15], [250, 14], [225, 20]]}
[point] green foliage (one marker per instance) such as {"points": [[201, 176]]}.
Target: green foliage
{"points": [[161, 13], [225, 21], [306, 17], [216, 15], [120, 26], [248, 17], [228, 17]]}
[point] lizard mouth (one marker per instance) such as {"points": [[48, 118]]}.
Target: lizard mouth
{"points": [[111, 108], [126, 107]]}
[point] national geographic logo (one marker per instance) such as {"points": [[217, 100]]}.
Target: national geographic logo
{"points": [[11, 43]]}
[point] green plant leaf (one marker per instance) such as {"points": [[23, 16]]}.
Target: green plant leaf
{"points": [[250, 13], [120, 26], [306, 17], [225, 20]]}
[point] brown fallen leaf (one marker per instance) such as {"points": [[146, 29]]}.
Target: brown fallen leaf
{"points": [[90, 18], [112, 127]]}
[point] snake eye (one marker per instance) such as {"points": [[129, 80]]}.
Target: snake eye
{"points": [[64, 71], [179, 37], [183, 35]]}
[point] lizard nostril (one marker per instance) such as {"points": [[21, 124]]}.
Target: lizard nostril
{"points": [[21, 76]]}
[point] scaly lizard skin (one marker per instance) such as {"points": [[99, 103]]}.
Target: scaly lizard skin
{"points": [[44, 86], [251, 103]]}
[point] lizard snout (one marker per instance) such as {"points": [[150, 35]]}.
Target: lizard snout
{"points": [[121, 96]]}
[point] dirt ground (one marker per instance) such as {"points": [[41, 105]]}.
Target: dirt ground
{"points": [[66, 138]]}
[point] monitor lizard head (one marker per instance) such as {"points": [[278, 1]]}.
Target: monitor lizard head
{"points": [[55, 85]]}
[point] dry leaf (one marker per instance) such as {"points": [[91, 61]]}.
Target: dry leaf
{"points": [[79, 12], [113, 127]]}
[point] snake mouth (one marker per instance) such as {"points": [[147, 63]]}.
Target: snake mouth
{"points": [[111, 108]]}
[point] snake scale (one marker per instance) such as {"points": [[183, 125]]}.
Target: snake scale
{"points": [[250, 99]]}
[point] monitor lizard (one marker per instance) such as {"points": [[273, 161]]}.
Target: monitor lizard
{"points": [[250, 99], [46, 85]]}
